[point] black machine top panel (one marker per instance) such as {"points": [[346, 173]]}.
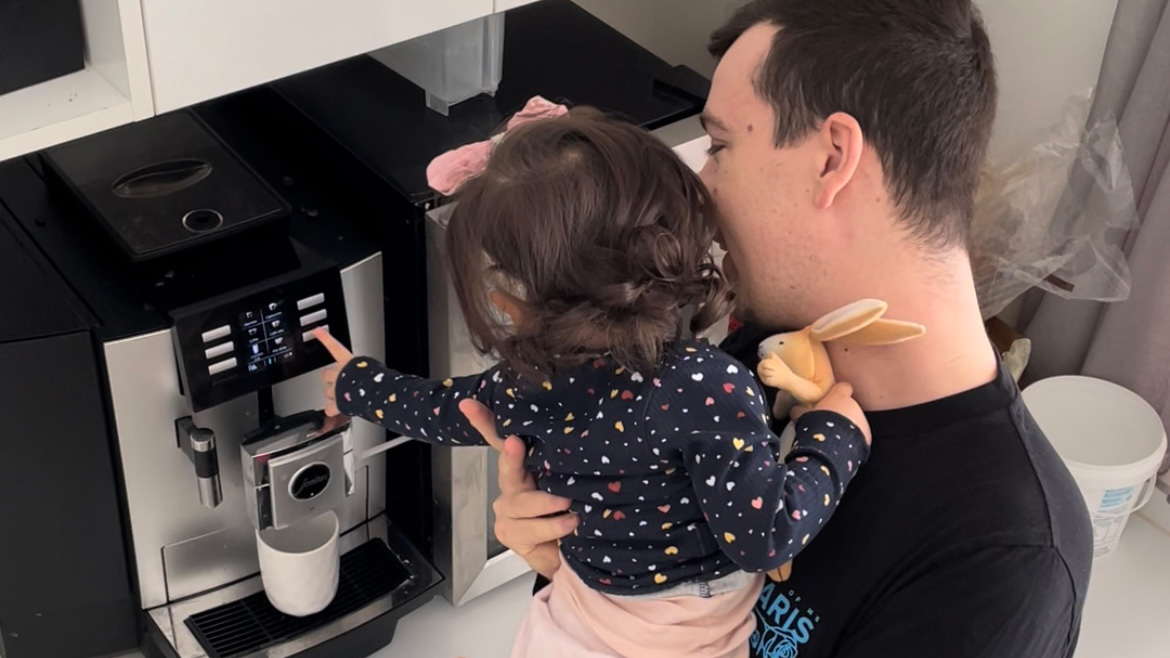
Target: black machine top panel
{"points": [[163, 185], [552, 48], [128, 298]]}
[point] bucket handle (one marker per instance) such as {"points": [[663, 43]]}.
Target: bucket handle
{"points": [[1147, 492]]}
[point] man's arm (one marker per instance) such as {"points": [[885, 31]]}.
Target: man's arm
{"points": [[999, 602]]}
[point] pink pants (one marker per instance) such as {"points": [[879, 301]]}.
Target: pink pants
{"points": [[570, 620]]}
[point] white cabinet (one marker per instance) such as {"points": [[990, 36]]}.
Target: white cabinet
{"points": [[112, 89], [505, 5], [207, 48]]}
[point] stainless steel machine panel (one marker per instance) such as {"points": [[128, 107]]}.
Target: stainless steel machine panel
{"points": [[165, 511]]}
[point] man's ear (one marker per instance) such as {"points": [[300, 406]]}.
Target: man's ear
{"points": [[842, 141]]}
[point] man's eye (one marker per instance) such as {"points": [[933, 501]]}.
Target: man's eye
{"points": [[715, 148]]}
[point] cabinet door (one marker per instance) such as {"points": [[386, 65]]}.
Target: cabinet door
{"points": [[201, 50]]}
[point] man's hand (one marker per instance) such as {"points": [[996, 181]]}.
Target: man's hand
{"points": [[528, 521], [342, 356], [839, 400]]}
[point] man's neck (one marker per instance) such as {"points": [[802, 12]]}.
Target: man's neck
{"points": [[954, 356]]}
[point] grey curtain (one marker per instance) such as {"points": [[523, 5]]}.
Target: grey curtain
{"points": [[1125, 342]]}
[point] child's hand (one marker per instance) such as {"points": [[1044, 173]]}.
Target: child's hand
{"points": [[342, 356], [774, 372], [840, 400]]}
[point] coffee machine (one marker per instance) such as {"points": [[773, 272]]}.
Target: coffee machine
{"points": [[200, 285]]}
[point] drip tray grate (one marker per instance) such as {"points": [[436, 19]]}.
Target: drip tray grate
{"points": [[367, 573]]}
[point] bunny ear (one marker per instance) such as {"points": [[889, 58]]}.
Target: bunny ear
{"points": [[848, 319], [884, 332]]}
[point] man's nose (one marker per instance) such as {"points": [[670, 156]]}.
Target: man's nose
{"points": [[706, 174]]}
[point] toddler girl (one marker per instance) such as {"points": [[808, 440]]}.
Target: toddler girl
{"points": [[578, 247]]}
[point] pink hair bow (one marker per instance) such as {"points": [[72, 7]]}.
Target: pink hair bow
{"points": [[448, 172]]}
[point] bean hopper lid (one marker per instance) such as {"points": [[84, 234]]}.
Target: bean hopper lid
{"points": [[164, 185]]}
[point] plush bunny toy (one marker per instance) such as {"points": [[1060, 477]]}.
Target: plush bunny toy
{"points": [[797, 363]]}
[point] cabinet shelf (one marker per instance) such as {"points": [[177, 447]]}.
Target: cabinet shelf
{"points": [[59, 110], [197, 51], [112, 89]]}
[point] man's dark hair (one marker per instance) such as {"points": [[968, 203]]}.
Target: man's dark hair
{"points": [[917, 75]]}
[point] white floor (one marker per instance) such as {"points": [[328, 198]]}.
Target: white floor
{"points": [[481, 628], [1127, 614]]}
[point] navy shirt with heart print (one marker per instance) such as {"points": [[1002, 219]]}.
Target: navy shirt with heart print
{"points": [[675, 474]]}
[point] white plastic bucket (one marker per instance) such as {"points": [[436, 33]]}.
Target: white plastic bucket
{"points": [[1112, 442]]}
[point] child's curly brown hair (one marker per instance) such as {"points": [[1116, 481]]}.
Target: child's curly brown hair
{"points": [[597, 233]]}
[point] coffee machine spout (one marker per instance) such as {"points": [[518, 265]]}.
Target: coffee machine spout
{"points": [[198, 444]]}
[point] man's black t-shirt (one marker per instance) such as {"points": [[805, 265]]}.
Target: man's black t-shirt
{"points": [[963, 536]]}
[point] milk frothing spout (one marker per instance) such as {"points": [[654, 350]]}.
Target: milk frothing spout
{"points": [[198, 444]]}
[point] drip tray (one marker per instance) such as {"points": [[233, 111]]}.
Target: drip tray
{"points": [[368, 573], [383, 577]]}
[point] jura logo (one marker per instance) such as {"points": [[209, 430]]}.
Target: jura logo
{"points": [[309, 482]]}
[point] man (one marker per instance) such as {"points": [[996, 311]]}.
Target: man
{"points": [[847, 137]]}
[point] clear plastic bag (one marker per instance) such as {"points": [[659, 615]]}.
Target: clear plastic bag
{"points": [[1057, 218]]}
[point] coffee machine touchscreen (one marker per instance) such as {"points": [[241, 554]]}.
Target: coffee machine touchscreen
{"points": [[267, 332], [258, 337]]}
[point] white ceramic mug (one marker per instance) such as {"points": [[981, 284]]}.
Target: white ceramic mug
{"points": [[299, 565]]}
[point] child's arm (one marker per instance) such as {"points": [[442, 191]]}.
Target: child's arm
{"points": [[426, 409], [762, 510]]}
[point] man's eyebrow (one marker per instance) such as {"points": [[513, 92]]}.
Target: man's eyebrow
{"points": [[709, 121]]}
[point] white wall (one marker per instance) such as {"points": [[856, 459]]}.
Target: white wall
{"points": [[1046, 50]]}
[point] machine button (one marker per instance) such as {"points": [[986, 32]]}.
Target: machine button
{"points": [[217, 333], [311, 301], [313, 318], [219, 350], [308, 335], [221, 366]]}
